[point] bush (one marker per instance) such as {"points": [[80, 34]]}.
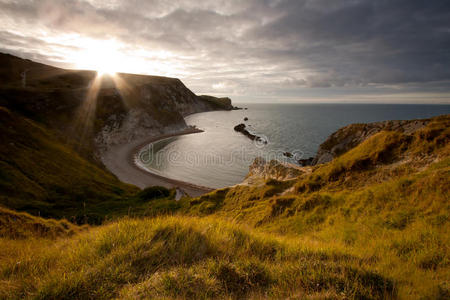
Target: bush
{"points": [[153, 192]]}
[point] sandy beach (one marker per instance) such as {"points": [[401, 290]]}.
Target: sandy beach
{"points": [[120, 160]]}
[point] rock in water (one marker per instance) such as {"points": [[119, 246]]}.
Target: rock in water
{"points": [[287, 154], [243, 129], [240, 127]]}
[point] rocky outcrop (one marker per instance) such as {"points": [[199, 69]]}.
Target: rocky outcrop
{"points": [[242, 128], [218, 103], [352, 135], [261, 170], [287, 154], [338, 143]]}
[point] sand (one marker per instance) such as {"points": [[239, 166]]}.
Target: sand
{"points": [[120, 160]]}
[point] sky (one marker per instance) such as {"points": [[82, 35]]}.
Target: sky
{"points": [[384, 51]]}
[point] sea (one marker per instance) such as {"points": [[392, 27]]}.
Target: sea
{"points": [[220, 157]]}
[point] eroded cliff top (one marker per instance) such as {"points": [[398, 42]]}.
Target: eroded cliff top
{"points": [[352, 135]]}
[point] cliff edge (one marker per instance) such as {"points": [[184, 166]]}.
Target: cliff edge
{"points": [[352, 135], [57, 126], [94, 112]]}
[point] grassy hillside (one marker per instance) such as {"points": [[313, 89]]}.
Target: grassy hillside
{"points": [[77, 105], [55, 122], [42, 175], [91, 112], [371, 224], [385, 201], [179, 257], [14, 225]]}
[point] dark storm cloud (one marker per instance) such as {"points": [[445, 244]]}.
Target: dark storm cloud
{"points": [[385, 42], [246, 47]]}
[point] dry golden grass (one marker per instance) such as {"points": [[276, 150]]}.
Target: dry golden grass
{"points": [[181, 257], [385, 201], [372, 224], [15, 225]]}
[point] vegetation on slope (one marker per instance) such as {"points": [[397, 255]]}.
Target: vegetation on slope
{"points": [[42, 175], [180, 257], [15, 225], [77, 105], [370, 224], [48, 121], [84, 109], [385, 200]]}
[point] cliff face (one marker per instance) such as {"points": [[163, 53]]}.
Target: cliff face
{"points": [[97, 113], [352, 135], [56, 125], [218, 103], [151, 106]]}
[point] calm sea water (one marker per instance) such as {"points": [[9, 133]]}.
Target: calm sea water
{"points": [[220, 156]]}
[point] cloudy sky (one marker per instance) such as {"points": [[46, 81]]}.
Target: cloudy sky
{"points": [[250, 50]]}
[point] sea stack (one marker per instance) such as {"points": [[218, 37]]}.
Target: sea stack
{"points": [[242, 128]]}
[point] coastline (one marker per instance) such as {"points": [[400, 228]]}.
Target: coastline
{"points": [[120, 160]]}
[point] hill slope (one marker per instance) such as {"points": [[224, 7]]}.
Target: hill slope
{"points": [[179, 257], [42, 175], [55, 123], [370, 224], [386, 200], [19, 226], [94, 112]]}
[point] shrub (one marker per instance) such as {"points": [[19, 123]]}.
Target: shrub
{"points": [[153, 192]]}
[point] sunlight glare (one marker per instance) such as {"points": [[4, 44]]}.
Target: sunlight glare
{"points": [[102, 56], [112, 56]]}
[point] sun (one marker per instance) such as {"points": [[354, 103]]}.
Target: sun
{"points": [[104, 57], [110, 57], [105, 71], [105, 62]]}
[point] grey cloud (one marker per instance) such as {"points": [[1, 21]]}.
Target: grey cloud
{"points": [[378, 41], [263, 45]]}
